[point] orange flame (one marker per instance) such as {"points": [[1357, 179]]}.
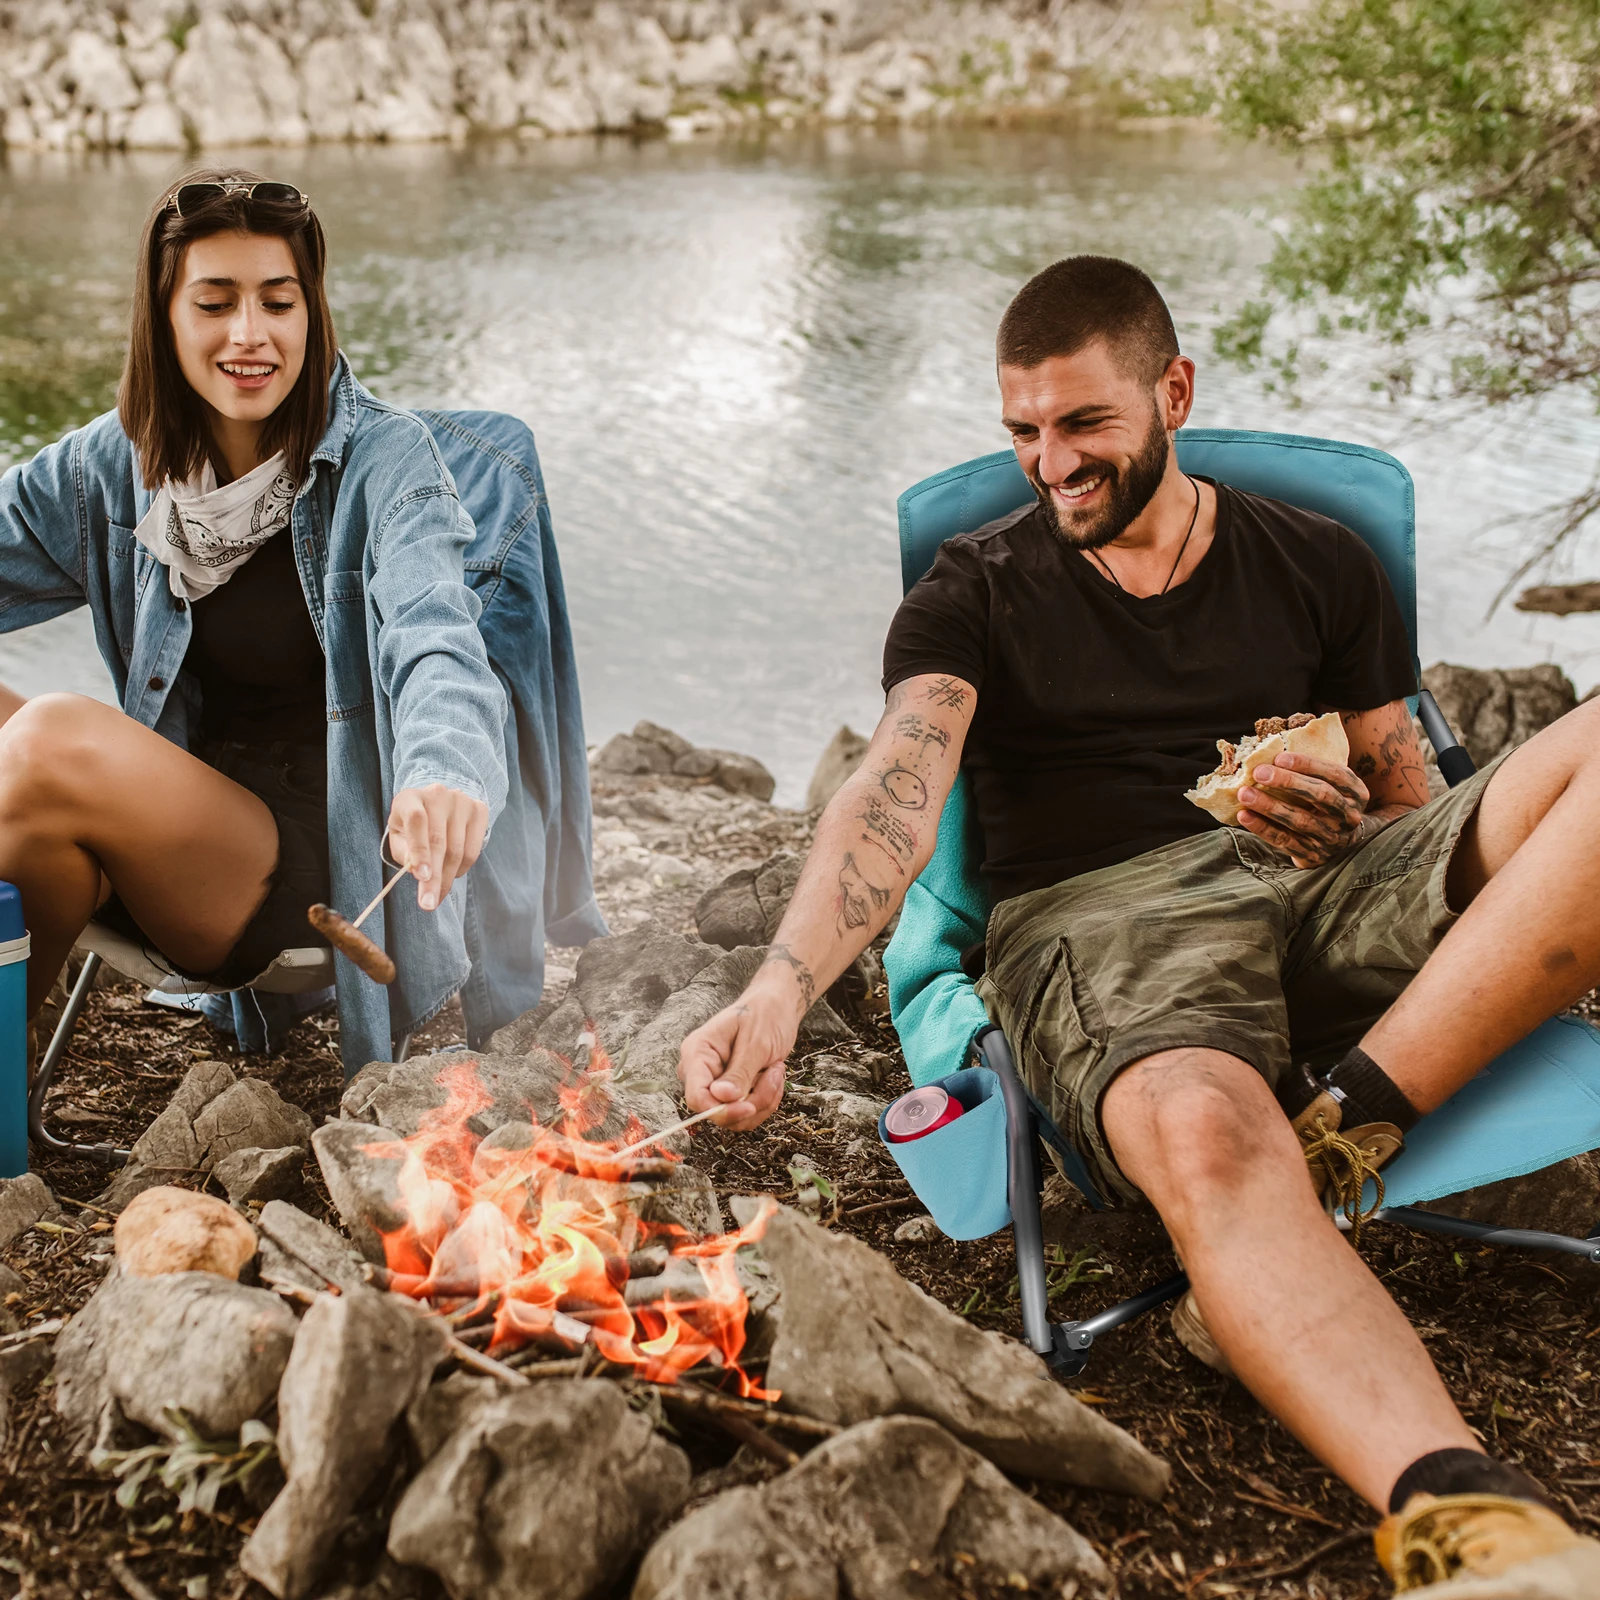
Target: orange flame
{"points": [[543, 1235]]}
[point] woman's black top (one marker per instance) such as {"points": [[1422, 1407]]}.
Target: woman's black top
{"points": [[260, 664]]}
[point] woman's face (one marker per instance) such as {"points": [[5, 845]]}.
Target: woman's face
{"points": [[239, 323]]}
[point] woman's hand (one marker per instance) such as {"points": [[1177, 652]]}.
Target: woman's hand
{"points": [[438, 833]]}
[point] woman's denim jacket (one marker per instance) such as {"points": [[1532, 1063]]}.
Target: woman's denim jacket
{"points": [[449, 661]]}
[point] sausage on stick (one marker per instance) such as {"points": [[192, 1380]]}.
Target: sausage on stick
{"points": [[347, 936]]}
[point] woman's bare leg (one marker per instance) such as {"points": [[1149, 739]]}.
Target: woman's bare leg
{"points": [[85, 789]]}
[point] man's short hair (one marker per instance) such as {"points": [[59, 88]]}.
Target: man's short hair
{"points": [[1084, 298]]}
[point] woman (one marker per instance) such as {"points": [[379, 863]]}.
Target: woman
{"points": [[274, 563]]}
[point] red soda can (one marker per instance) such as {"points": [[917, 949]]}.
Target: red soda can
{"points": [[919, 1113]]}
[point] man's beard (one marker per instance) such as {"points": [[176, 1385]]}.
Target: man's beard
{"points": [[1128, 491]]}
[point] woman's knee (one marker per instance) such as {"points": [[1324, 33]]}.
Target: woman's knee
{"points": [[51, 753]]}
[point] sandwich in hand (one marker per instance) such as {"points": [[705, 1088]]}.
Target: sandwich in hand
{"points": [[1302, 734]]}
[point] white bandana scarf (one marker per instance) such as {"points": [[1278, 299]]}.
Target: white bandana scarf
{"points": [[202, 534]]}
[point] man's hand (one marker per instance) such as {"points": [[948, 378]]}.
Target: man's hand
{"points": [[1316, 809], [737, 1059], [438, 833]]}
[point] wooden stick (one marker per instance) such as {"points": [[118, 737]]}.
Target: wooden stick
{"points": [[479, 1362], [882, 1205], [132, 1584], [666, 1133], [788, 1421], [378, 900]]}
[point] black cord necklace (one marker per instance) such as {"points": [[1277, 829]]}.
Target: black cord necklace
{"points": [[1194, 516]]}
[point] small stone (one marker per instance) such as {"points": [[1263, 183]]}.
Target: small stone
{"points": [[20, 1364], [360, 1358], [23, 1201], [298, 1250], [918, 1230], [192, 1340], [836, 1108], [545, 1494], [252, 1175], [176, 1230], [169, 1146], [249, 1114], [361, 1167]]}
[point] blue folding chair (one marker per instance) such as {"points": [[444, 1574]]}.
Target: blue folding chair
{"points": [[1537, 1105]]}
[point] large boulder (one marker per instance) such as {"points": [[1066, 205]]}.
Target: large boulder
{"points": [[624, 980], [359, 1359], [545, 1494], [1495, 709], [654, 749], [856, 1341], [210, 1347], [747, 906], [891, 1509], [846, 751], [249, 1114]]}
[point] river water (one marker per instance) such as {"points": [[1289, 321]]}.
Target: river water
{"points": [[734, 356]]}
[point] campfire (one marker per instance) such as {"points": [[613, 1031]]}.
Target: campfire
{"points": [[536, 1243]]}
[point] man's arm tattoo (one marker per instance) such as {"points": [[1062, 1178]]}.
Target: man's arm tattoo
{"points": [[904, 788], [947, 692], [860, 900], [888, 833], [913, 727], [782, 955]]}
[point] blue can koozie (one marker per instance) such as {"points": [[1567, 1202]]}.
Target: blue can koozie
{"points": [[13, 1034]]}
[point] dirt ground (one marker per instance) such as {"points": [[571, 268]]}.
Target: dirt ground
{"points": [[1249, 1513]]}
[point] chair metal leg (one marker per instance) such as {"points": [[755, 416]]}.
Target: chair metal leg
{"points": [[1487, 1233], [107, 1155], [1064, 1345]]}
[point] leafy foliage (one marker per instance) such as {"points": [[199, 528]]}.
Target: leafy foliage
{"points": [[191, 1466], [1457, 194]]}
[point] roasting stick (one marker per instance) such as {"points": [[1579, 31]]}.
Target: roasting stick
{"points": [[666, 1133], [380, 896]]}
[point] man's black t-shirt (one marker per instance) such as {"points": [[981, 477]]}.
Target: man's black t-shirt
{"points": [[1097, 709]]}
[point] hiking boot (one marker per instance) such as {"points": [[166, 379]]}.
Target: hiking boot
{"points": [[1342, 1159], [1486, 1547], [1190, 1330]]}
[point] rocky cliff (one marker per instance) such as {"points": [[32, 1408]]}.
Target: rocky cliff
{"points": [[176, 74]]}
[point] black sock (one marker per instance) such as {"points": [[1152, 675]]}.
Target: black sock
{"points": [[1370, 1094], [1464, 1472]]}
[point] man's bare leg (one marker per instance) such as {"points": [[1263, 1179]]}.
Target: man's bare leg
{"points": [[1527, 945], [89, 795], [1304, 1323]]}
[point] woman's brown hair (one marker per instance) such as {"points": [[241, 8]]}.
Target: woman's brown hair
{"points": [[160, 413]]}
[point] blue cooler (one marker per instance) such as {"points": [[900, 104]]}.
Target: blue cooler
{"points": [[13, 1034]]}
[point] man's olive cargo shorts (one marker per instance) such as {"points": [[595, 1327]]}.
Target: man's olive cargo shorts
{"points": [[1214, 941]]}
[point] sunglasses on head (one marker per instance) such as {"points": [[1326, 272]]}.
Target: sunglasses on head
{"points": [[189, 197]]}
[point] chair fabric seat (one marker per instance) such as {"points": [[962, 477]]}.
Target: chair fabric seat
{"points": [[292, 971], [1538, 1104]]}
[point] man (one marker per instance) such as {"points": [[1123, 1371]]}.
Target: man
{"points": [[1203, 1008]]}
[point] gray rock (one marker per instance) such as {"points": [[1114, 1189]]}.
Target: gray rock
{"points": [[624, 980], [739, 774], [207, 1345], [747, 906], [1494, 710], [361, 1166], [651, 1060], [297, 1249], [626, 756], [881, 1510], [835, 1072], [1564, 1198], [455, 1402], [921, 1229], [546, 1494], [11, 1281], [249, 1114], [359, 1360], [23, 1201], [169, 1147], [838, 1108], [559, 1028], [252, 1175], [396, 1097], [845, 752], [858, 1341], [687, 1199]]}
